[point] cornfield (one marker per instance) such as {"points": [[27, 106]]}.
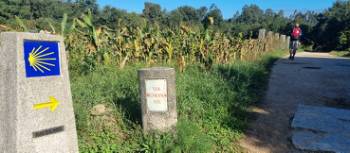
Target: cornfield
{"points": [[89, 45]]}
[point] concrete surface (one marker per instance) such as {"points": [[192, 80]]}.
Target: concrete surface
{"points": [[321, 129], [24, 129], [316, 79], [165, 118]]}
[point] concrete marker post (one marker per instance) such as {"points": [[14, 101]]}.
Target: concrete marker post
{"points": [[270, 39], [288, 42], [283, 42], [158, 98], [262, 34], [36, 111], [276, 41]]}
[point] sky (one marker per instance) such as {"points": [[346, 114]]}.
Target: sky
{"points": [[227, 7]]}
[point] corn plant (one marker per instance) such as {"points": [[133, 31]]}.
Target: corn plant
{"points": [[92, 45]]}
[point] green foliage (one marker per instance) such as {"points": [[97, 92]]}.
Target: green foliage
{"points": [[51, 26], [151, 44], [211, 107], [341, 53], [152, 12], [191, 138], [252, 17], [331, 31], [187, 14], [325, 31], [104, 142], [86, 22], [21, 24], [251, 14], [213, 91], [344, 40], [63, 24]]}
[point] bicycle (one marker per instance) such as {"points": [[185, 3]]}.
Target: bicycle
{"points": [[293, 49]]}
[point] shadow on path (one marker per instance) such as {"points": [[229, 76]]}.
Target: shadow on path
{"points": [[312, 79]]}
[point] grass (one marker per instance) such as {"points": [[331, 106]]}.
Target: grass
{"points": [[212, 107], [340, 53]]}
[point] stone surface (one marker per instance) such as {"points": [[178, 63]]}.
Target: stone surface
{"points": [[158, 98], [269, 40], [277, 36], [262, 34], [283, 42], [24, 127], [269, 34], [321, 129]]}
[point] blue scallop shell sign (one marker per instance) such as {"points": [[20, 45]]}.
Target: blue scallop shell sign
{"points": [[41, 58]]}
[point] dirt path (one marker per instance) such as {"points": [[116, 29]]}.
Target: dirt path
{"points": [[311, 79]]}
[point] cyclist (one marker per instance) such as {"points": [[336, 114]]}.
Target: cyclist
{"points": [[295, 36]]}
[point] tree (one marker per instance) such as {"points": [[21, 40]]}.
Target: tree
{"points": [[152, 12], [82, 6], [202, 11], [188, 14], [174, 19], [331, 31], [253, 18], [214, 15], [111, 17], [251, 14]]}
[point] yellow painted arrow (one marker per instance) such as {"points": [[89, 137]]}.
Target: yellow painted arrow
{"points": [[52, 104]]}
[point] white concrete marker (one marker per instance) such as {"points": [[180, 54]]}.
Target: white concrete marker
{"points": [[158, 98], [36, 112]]}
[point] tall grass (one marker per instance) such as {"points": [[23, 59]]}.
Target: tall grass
{"points": [[341, 53], [211, 106]]}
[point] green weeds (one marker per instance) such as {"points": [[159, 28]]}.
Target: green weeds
{"points": [[211, 107]]}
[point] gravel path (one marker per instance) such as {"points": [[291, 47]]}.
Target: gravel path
{"points": [[317, 79]]}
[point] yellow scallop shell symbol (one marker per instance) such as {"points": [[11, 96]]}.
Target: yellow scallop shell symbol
{"points": [[38, 59]]}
